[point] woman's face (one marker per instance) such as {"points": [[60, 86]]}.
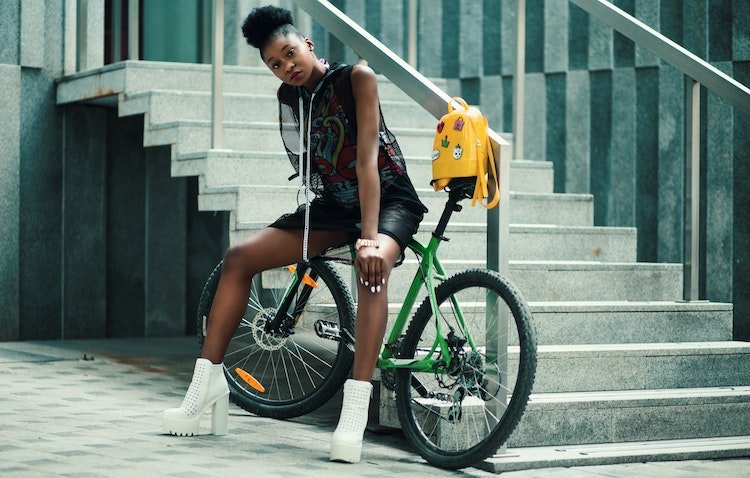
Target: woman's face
{"points": [[292, 60]]}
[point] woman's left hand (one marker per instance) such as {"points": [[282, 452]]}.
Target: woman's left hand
{"points": [[369, 264]]}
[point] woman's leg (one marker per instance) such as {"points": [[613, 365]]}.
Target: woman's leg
{"points": [[267, 249], [372, 314]]}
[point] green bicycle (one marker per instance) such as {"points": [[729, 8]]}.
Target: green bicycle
{"points": [[462, 371]]}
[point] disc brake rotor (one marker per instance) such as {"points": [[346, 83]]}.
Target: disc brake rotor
{"points": [[270, 342]]}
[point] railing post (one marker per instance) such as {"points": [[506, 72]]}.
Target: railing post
{"points": [[498, 256], [519, 80], [692, 194], [134, 29], [217, 69]]}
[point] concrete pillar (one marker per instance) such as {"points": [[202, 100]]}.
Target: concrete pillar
{"points": [[470, 40], [600, 45], [165, 246], [126, 206], [740, 27], [556, 36], [671, 163], [577, 132], [535, 120], [646, 193], [600, 144], [578, 38], [10, 158], [534, 36], [10, 28], [393, 26], [719, 195], [622, 47], [84, 232], [32, 39], [430, 49], [741, 188], [556, 126], [623, 140], [647, 11], [508, 40], [450, 37]]}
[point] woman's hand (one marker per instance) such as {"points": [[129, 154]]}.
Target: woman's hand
{"points": [[369, 264]]}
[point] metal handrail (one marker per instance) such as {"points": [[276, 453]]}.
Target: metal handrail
{"points": [[432, 99], [678, 56], [698, 70]]}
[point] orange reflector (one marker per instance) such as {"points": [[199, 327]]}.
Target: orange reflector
{"points": [[306, 278], [250, 380], [309, 281]]}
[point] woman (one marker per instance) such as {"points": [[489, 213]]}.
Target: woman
{"points": [[346, 156]]}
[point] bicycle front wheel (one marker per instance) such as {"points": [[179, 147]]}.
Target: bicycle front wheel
{"points": [[463, 411], [299, 371]]}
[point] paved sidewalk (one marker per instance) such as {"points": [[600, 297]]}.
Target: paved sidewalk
{"points": [[92, 409]]}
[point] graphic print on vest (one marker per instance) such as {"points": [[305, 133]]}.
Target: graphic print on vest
{"points": [[334, 153]]}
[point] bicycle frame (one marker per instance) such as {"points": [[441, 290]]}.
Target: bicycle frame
{"points": [[430, 270]]}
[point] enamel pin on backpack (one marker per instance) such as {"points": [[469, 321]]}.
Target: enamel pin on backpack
{"points": [[462, 149]]}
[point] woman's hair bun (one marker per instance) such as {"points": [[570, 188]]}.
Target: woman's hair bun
{"points": [[262, 22]]}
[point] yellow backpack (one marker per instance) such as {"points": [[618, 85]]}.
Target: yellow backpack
{"points": [[462, 149]]}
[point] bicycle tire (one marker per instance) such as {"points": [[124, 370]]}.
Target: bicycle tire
{"points": [[477, 433], [293, 394]]}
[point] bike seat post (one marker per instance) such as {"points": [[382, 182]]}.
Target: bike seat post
{"points": [[451, 205]]}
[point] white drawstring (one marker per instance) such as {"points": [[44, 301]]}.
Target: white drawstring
{"points": [[305, 178]]}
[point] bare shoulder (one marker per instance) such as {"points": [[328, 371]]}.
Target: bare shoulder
{"points": [[363, 77]]}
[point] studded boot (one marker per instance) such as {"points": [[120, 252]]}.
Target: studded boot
{"points": [[208, 389], [346, 444]]}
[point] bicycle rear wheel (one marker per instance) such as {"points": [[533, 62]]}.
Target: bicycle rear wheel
{"points": [[464, 410], [301, 371]]}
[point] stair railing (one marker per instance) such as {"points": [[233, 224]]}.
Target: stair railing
{"points": [[698, 71]]}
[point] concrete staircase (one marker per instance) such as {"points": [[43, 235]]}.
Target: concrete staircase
{"points": [[626, 371]]}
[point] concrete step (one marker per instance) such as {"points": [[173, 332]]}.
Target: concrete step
{"points": [[552, 281], [621, 322], [647, 366], [539, 242], [265, 205], [564, 456], [191, 136], [166, 106], [527, 242], [224, 168], [102, 85], [623, 416]]}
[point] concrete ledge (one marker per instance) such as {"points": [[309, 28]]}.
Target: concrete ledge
{"points": [[142, 76], [516, 459]]}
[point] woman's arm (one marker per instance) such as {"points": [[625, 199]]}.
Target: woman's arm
{"points": [[365, 90]]}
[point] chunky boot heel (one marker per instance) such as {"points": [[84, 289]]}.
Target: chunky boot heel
{"points": [[219, 416], [346, 444], [208, 389]]}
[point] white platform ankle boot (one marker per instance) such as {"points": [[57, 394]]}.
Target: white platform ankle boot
{"points": [[346, 444], [207, 389]]}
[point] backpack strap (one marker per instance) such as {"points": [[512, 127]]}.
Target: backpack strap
{"points": [[480, 189]]}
